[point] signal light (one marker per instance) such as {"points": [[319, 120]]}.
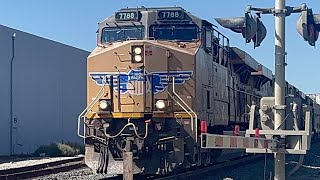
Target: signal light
{"points": [[257, 132], [137, 54], [236, 131], [203, 126], [250, 27], [260, 34], [308, 26]]}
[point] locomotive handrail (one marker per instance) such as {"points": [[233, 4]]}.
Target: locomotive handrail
{"points": [[89, 107], [149, 38], [134, 129], [195, 115], [257, 96], [119, 92], [187, 113]]}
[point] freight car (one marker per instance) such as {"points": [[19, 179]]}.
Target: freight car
{"points": [[157, 78]]}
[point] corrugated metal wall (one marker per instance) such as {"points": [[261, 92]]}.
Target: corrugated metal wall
{"points": [[49, 91]]}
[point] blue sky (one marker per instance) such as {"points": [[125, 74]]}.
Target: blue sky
{"points": [[74, 22]]}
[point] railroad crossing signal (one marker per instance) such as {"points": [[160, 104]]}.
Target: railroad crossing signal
{"points": [[249, 26], [260, 34], [308, 26]]}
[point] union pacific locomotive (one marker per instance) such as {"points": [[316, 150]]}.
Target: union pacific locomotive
{"points": [[154, 77]]}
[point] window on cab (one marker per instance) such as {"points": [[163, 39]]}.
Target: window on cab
{"points": [[113, 34], [174, 32], [208, 39]]}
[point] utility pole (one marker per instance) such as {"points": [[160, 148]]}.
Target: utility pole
{"points": [[279, 85], [11, 92]]}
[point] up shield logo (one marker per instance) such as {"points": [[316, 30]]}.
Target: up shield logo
{"points": [[133, 81]]}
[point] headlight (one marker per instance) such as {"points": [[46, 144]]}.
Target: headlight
{"points": [[104, 105], [160, 104], [137, 58], [137, 50], [137, 54]]}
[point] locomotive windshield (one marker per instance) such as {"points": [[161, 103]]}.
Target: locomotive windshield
{"points": [[174, 32], [112, 34]]}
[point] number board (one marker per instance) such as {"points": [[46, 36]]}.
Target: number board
{"points": [[171, 14], [128, 16]]}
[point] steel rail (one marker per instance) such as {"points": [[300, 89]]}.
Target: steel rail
{"points": [[42, 169], [196, 172]]}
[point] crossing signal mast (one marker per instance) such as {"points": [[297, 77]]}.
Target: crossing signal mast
{"points": [[278, 114]]}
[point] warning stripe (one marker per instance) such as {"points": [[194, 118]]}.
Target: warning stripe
{"points": [[233, 142], [219, 141], [224, 141]]}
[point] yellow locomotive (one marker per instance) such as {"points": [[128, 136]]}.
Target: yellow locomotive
{"points": [[157, 79]]}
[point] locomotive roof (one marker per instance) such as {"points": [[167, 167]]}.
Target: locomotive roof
{"points": [[242, 56], [149, 17], [151, 9]]}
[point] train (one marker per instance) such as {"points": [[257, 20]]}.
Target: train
{"points": [[154, 77]]}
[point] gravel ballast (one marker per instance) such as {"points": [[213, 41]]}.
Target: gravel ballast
{"points": [[79, 174], [30, 162], [258, 170], [263, 170]]}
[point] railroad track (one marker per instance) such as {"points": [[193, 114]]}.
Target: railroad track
{"points": [[42, 169], [191, 174]]}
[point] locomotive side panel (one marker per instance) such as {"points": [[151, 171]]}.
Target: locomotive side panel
{"points": [[251, 82], [232, 95], [212, 97]]}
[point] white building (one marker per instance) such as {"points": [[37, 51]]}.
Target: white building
{"points": [[49, 91]]}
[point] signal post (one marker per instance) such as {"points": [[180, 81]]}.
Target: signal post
{"points": [[292, 140], [279, 85]]}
